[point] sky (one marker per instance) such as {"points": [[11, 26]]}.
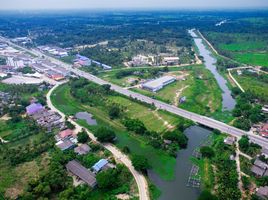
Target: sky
{"points": [[129, 4]]}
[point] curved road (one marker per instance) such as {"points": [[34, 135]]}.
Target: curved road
{"points": [[206, 121], [139, 178]]}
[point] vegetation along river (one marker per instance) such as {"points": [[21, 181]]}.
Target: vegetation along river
{"points": [[177, 189], [228, 102]]}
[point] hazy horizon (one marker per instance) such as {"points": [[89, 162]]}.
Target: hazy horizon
{"points": [[125, 5]]}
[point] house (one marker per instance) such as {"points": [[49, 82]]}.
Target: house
{"points": [[262, 192], [229, 140], [82, 149], [64, 134], [264, 130], [34, 108], [264, 152], [100, 165], [159, 83], [82, 173], [259, 168], [260, 164], [65, 144]]}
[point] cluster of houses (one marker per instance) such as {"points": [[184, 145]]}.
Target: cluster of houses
{"points": [[14, 58], [85, 61], [44, 117], [55, 51], [17, 59], [6, 100], [66, 140], [21, 40], [51, 70], [153, 60]]}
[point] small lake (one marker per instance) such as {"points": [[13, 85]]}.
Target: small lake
{"points": [[177, 189], [228, 102], [86, 116]]}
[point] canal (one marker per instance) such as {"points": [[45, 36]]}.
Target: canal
{"points": [[228, 102], [177, 189]]}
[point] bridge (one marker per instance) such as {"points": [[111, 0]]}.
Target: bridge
{"points": [[206, 121]]}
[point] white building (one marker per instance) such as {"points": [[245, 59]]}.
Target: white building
{"points": [[159, 83], [170, 60]]}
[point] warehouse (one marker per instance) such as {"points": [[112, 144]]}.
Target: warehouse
{"points": [[159, 83]]}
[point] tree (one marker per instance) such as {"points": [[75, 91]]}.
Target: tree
{"points": [[114, 111], [107, 179], [105, 134], [244, 143], [177, 137], [126, 149], [135, 125], [206, 195], [207, 152], [82, 137], [140, 163], [69, 125]]}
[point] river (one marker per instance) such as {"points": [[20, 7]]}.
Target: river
{"points": [[228, 102], [177, 189]]}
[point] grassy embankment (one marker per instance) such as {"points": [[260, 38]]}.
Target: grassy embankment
{"points": [[62, 99]]}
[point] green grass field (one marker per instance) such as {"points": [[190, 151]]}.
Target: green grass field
{"points": [[247, 48], [62, 99], [253, 84], [200, 88], [259, 59]]}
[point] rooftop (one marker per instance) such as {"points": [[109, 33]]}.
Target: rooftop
{"points": [[80, 171], [100, 164], [65, 133], [159, 82], [33, 108], [82, 149]]}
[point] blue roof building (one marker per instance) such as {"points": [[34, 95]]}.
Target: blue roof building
{"points": [[84, 58], [99, 165]]}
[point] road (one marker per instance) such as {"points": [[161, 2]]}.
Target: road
{"points": [[139, 178], [206, 121]]}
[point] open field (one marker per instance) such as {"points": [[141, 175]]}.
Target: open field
{"points": [[253, 84], [62, 99], [200, 88], [247, 48]]}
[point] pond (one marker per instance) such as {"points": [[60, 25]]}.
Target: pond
{"points": [[177, 189], [86, 116]]}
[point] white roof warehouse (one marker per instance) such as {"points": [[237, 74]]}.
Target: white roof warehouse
{"points": [[159, 83]]}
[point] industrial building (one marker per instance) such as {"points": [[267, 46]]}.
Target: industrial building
{"points": [[159, 83]]}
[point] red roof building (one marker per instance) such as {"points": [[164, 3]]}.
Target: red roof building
{"points": [[264, 130], [64, 134]]}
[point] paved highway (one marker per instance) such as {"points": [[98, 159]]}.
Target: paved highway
{"points": [[206, 121]]}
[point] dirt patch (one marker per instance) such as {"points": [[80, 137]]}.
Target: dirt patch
{"points": [[5, 117], [167, 125], [178, 93], [26, 172]]}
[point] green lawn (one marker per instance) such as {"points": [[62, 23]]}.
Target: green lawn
{"points": [[62, 99]]}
